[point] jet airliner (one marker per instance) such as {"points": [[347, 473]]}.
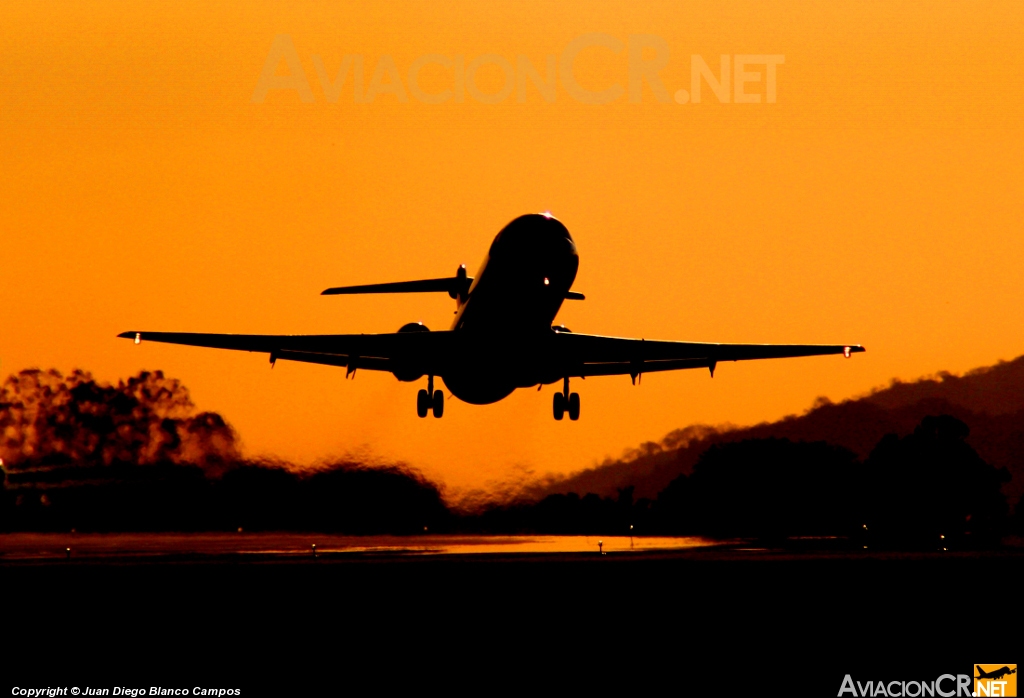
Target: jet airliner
{"points": [[502, 337]]}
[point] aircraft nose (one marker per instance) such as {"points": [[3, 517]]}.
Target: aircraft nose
{"points": [[534, 233]]}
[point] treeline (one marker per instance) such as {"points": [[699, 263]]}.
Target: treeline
{"points": [[82, 455], [928, 489], [76, 453], [343, 497]]}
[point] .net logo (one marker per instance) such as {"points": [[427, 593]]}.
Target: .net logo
{"points": [[995, 680]]}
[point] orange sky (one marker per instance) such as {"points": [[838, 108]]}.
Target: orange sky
{"points": [[876, 202]]}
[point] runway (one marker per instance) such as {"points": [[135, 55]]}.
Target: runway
{"points": [[755, 618], [170, 546]]}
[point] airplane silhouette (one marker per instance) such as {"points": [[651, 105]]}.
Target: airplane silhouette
{"points": [[502, 337], [995, 673]]}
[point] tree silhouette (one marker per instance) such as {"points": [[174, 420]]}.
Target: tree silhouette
{"points": [[766, 488], [931, 483]]}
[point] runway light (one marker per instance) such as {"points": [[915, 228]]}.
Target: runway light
{"points": [[846, 352], [138, 337]]}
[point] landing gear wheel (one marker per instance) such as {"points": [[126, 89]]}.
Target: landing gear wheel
{"points": [[422, 403], [559, 406], [437, 404], [574, 406]]}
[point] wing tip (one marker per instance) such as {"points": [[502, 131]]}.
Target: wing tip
{"points": [[128, 335]]}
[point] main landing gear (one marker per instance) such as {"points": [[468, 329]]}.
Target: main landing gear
{"points": [[430, 400], [566, 402]]}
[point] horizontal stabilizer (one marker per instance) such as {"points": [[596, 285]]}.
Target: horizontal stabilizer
{"points": [[451, 285]]}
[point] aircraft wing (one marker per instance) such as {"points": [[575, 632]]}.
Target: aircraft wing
{"points": [[593, 355], [427, 352], [377, 352]]}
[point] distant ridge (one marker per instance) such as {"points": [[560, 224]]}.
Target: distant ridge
{"points": [[989, 400], [993, 390]]}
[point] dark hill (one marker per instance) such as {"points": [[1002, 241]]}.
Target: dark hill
{"points": [[989, 400]]}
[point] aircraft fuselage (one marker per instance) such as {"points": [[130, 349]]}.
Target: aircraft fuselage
{"points": [[506, 317]]}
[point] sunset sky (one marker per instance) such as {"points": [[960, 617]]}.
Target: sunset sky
{"points": [[144, 185]]}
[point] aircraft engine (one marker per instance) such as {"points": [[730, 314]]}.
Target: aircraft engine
{"points": [[408, 373]]}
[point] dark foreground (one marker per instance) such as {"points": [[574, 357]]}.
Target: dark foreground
{"points": [[731, 621]]}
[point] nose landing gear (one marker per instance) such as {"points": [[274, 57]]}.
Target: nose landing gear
{"points": [[430, 400], [566, 402]]}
